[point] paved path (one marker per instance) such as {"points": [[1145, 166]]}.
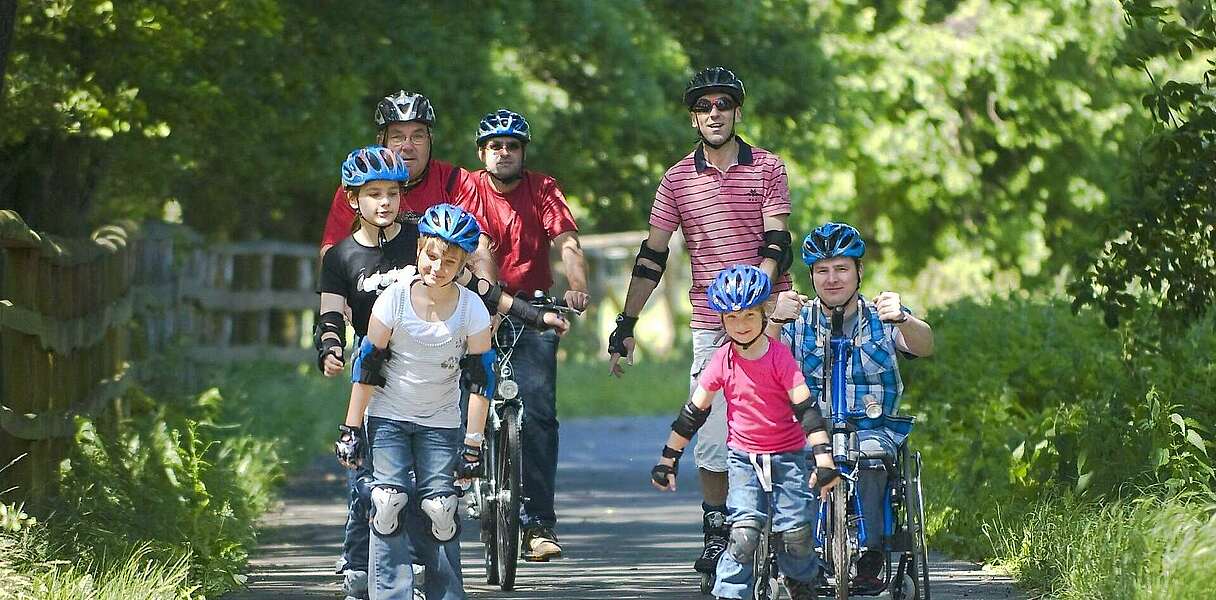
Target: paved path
{"points": [[622, 539]]}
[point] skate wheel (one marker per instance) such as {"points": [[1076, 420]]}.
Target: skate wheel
{"points": [[707, 583]]}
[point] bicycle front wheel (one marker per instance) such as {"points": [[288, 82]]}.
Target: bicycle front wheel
{"points": [[508, 471], [840, 540], [490, 507]]}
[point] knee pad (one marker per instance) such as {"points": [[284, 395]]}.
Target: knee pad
{"points": [[442, 512], [387, 504], [744, 537], [798, 541]]}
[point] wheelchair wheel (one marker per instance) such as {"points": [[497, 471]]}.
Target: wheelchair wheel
{"points": [[919, 567], [839, 541], [489, 508], [507, 470]]}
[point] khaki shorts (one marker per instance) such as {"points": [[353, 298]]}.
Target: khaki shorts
{"points": [[710, 452]]}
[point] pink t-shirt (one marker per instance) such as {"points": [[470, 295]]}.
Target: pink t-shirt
{"points": [[759, 416]]}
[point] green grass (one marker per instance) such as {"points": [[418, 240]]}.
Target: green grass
{"points": [[653, 386], [1141, 549]]}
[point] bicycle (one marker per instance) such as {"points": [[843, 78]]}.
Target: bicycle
{"points": [[841, 531], [497, 495]]}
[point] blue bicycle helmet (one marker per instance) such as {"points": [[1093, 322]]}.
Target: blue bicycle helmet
{"points": [[831, 240], [452, 224], [373, 163], [503, 122], [738, 288]]}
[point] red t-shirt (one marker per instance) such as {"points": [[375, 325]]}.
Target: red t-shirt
{"points": [[759, 416], [522, 224], [444, 182]]}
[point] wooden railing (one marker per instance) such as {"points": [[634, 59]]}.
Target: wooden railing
{"points": [[81, 320]]}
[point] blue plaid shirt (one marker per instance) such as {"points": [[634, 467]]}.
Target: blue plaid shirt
{"points": [[872, 366]]}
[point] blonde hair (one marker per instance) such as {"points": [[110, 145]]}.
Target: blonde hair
{"points": [[445, 247]]}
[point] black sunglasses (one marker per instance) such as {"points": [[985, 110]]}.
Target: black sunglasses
{"points": [[511, 146], [704, 105]]}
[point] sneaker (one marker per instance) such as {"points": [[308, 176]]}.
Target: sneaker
{"points": [[354, 584], [800, 590], [540, 544], [419, 581], [869, 567]]}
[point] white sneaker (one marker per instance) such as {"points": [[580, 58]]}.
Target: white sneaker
{"points": [[354, 584]]}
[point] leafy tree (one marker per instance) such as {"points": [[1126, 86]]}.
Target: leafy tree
{"points": [[1160, 245]]}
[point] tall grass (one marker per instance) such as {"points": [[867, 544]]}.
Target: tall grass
{"points": [[1147, 548]]}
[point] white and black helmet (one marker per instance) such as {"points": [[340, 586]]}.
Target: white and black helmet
{"points": [[402, 107]]}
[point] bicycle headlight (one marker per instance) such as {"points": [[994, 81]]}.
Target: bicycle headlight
{"points": [[508, 389]]}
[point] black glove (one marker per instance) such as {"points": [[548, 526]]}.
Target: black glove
{"points": [[470, 463], [349, 447], [623, 331], [660, 471], [327, 346], [824, 476]]}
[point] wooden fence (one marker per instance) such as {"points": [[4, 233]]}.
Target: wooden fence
{"points": [[81, 320]]}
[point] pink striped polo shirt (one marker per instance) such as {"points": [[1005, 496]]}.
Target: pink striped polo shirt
{"points": [[722, 215]]}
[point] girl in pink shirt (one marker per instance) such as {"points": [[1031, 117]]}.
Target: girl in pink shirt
{"points": [[769, 420]]}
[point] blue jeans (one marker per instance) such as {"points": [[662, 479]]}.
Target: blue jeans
{"points": [[871, 483], [748, 500], [356, 541], [535, 364], [397, 448]]}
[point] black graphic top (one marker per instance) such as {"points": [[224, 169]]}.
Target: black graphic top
{"points": [[359, 273]]}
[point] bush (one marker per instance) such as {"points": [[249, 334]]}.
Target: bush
{"points": [[1028, 405]]}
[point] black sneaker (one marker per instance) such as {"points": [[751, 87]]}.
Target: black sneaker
{"points": [[801, 590], [869, 567], [540, 544]]}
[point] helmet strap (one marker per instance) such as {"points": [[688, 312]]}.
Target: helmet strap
{"points": [[713, 145]]}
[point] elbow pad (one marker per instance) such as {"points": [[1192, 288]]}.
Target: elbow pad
{"points": [[777, 247], [369, 362], [478, 374], [490, 293], [659, 258], [689, 420], [809, 416]]}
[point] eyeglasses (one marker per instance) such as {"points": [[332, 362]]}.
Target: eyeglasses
{"points": [[417, 138], [510, 145], [704, 105]]}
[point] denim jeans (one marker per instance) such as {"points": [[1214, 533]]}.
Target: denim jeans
{"points": [[535, 364], [871, 482], [355, 543], [399, 448], [748, 500]]}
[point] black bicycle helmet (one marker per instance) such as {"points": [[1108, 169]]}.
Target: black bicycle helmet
{"points": [[714, 79], [403, 107]]}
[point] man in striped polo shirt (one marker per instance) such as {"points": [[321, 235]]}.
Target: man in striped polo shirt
{"points": [[732, 201]]}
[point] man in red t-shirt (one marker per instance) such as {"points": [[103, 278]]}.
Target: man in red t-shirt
{"points": [[405, 120], [526, 213]]}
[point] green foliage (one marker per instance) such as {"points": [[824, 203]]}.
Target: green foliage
{"points": [[157, 505], [935, 126], [1149, 548], [1161, 235], [1024, 400], [652, 386]]}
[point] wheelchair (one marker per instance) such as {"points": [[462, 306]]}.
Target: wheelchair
{"points": [[900, 539]]}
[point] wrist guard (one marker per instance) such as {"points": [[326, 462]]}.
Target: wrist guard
{"points": [[623, 331], [824, 476], [349, 447]]}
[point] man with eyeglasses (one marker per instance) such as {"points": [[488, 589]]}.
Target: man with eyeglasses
{"points": [[405, 121], [526, 214], [732, 201]]}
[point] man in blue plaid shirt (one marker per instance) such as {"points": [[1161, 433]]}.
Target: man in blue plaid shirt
{"points": [[880, 328]]}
